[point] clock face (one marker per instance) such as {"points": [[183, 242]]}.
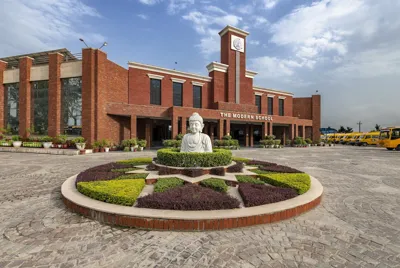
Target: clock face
{"points": [[237, 43]]}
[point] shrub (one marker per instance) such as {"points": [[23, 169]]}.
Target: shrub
{"points": [[165, 184], [260, 163], [133, 176], [249, 179], [219, 171], [238, 167], [172, 157], [277, 142], [121, 192], [215, 184], [308, 141], [227, 137], [151, 167], [188, 197], [301, 182], [87, 176], [279, 169], [123, 169], [79, 140], [109, 167], [179, 136], [172, 143], [193, 172], [240, 159], [257, 194], [137, 161], [46, 139]]}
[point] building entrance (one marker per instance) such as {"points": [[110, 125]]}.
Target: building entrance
{"points": [[161, 131]]}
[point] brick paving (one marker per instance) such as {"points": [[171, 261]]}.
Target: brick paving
{"points": [[356, 225]]}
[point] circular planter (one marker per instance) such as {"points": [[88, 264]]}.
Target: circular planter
{"points": [[17, 144], [188, 220], [174, 158], [47, 145], [80, 146]]}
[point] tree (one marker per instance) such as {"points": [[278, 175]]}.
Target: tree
{"points": [[342, 129], [377, 127], [349, 130]]}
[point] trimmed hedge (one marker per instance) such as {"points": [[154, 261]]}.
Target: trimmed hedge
{"points": [[109, 167], [279, 169], [215, 184], [137, 161], [123, 169], [188, 197], [301, 182], [87, 176], [133, 176], [260, 163], [236, 168], [248, 179], [121, 192], [240, 159], [256, 194], [166, 184], [172, 143], [172, 157]]}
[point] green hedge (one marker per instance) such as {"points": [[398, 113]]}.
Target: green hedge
{"points": [[301, 182], [137, 161], [215, 184], [248, 179], [172, 157], [172, 143], [121, 192], [132, 176], [240, 159], [165, 184], [123, 169]]}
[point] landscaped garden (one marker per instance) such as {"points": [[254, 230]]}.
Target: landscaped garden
{"points": [[255, 182]]}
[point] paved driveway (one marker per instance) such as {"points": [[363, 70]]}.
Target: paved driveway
{"points": [[356, 225]]}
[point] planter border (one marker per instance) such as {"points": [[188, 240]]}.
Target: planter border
{"points": [[145, 218]]}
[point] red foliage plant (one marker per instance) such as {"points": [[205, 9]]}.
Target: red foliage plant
{"points": [[261, 194], [219, 171], [238, 167], [280, 169], [188, 197], [260, 163], [97, 176]]}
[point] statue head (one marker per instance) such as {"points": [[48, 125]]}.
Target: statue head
{"points": [[196, 123]]}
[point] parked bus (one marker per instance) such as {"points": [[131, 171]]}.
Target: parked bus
{"points": [[370, 138], [390, 138]]}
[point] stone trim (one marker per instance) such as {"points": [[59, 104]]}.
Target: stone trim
{"points": [[217, 66], [188, 220], [273, 91], [233, 30], [258, 93], [250, 74], [197, 83], [178, 80], [281, 97], [270, 96], [147, 67], [155, 76]]}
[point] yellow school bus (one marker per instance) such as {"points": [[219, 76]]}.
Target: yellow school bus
{"points": [[370, 138], [346, 139], [390, 138]]}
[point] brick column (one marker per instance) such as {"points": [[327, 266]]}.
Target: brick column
{"points": [[264, 103], [251, 136], [270, 131], [24, 116], [316, 117], [88, 94], [147, 132], [174, 124], [3, 94], [227, 127], [292, 135], [246, 135], [264, 130], [134, 126], [183, 126], [54, 116], [220, 130], [304, 131], [212, 132], [284, 136]]}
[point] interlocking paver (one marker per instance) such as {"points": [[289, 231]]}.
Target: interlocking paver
{"points": [[356, 225]]}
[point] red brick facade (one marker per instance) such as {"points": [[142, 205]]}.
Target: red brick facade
{"points": [[116, 101]]}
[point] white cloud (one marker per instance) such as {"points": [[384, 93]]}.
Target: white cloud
{"points": [[245, 9], [177, 5], [260, 21], [269, 4], [143, 16], [214, 9], [46, 24], [253, 42], [149, 2]]}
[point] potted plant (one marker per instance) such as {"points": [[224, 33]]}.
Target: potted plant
{"points": [[133, 144], [277, 143], [141, 144], [96, 146], [125, 144], [106, 145], [16, 141], [80, 143], [47, 141]]}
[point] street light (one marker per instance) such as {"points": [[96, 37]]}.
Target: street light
{"points": [[103, 45], [80, 39]]}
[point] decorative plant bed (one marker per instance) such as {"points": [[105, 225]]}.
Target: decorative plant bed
{"points": [[137, 196]]}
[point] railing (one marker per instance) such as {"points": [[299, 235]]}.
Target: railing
{"points": [[44, 59]]}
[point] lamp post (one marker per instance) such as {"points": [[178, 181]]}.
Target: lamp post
{"points": [[103, 45], [80, 39]]}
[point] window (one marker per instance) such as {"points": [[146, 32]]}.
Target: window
{"points": [[258, 103], [270, 105], [71, 101], [395, 134], [155, 91], [177, 89], [197, 96], [281, 105], [40, 106], [11, 112]]}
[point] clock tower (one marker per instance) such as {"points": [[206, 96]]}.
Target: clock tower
{"points": [[238, 88]]}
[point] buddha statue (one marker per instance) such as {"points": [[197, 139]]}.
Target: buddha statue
{"points": [[195, 141]]}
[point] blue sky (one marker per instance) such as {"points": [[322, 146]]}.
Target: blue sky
{"points": [[348, 50]]}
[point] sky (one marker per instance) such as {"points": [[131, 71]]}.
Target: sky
{"points": [[348, 50]]}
